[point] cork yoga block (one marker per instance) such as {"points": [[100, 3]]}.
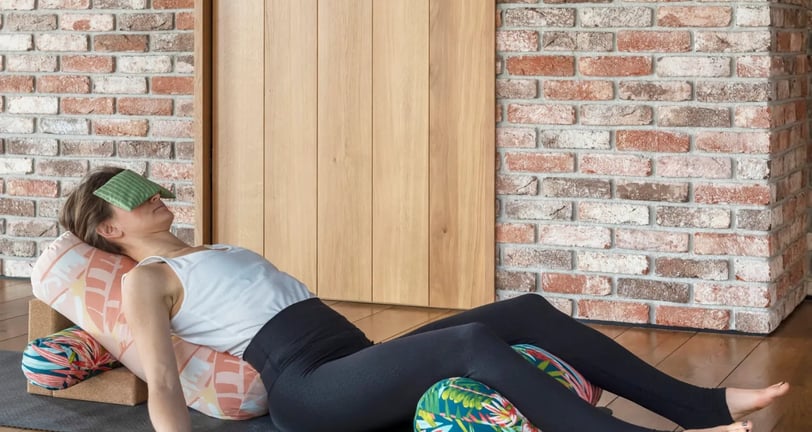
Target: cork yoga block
{"points": [[117, 386]]}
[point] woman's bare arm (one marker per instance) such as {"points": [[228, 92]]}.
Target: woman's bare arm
{"points": [[144, 302]]}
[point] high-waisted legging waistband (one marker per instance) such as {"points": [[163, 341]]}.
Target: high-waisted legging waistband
{"points": [[303, 336]]}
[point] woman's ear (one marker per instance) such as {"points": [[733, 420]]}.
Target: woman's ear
{"points": [[108, 230]]}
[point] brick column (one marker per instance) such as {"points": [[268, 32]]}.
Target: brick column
{"points": [[651, 160]]}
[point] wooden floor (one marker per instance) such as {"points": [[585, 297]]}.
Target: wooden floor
{"points": [[705, 359]]}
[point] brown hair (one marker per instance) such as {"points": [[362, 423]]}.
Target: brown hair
{"points": [[83, 211]]}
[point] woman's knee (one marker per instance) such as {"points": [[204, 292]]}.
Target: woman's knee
{"points": [[473, 338], [532, 303]]}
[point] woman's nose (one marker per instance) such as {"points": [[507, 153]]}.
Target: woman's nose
{"points": [[155, 197]]}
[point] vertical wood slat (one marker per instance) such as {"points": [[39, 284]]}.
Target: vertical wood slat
{"points": [[400, 152], [462, 140], [290, 137], [203, 123], [345, 149], [237, 132]]}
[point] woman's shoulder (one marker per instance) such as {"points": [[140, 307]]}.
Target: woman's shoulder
{"points": [[153, 274]]}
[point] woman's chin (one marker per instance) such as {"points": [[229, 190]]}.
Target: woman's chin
{"points": [[167, 217]]}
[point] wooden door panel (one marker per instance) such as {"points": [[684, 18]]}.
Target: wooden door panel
{"points": [[345, 149], [353, 144], [461, 136], [400, 157], [291, 122]]}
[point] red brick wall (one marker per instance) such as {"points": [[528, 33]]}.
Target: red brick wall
{"points": [[651, 159], [86, 83], [652, 155]]}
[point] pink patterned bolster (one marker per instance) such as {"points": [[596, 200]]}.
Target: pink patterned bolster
{"points": [[84, 284]]}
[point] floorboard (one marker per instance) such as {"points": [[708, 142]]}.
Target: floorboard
{"points": [[393, 321]]}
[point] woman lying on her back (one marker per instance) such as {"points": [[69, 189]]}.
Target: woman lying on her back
{"points": [[321, 372]]}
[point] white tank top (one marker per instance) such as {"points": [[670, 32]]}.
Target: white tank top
{"points": [[229, 293]]}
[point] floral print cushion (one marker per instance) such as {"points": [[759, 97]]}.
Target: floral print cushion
{"points": [[60, 360], [465, 405]]}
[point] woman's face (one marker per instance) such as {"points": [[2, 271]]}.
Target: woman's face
{"points": [[150, 217]]}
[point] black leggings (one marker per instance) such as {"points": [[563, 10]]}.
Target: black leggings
{"points": [[322, 374]]}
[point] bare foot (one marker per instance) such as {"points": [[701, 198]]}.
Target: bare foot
{"points": [[744, 401], [742, 426]]}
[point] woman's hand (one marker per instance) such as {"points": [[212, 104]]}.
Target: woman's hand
{"points": [[144, 300]]}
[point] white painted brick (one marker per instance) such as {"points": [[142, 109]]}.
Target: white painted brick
{"points": [[49, 208], [11, 165], [515, 137], [575, 235], [753, 16], [144, 64], [750, 270], [33, 105], [86, 22], [16, 5], [171, 128], [120, 84], [16, 124], [64, 4], [65, 126], [15, 42], [575, 139], [604, 17], [693, 66], [17, 268], [61, 42], [184, 64], [732, 295], [733, 42], [540, 210], [660, 241], [613, 213], [120, 4], [612, 263], [30, 63], [753, 169], [137, 166]]}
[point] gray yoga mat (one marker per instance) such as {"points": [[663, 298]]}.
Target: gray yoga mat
{"points": [[20, 409]]}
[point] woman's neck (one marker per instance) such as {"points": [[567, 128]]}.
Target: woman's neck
{"points": [[163, 244]]}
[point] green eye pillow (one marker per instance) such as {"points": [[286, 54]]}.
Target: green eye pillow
{"points": [[128, 190]]}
